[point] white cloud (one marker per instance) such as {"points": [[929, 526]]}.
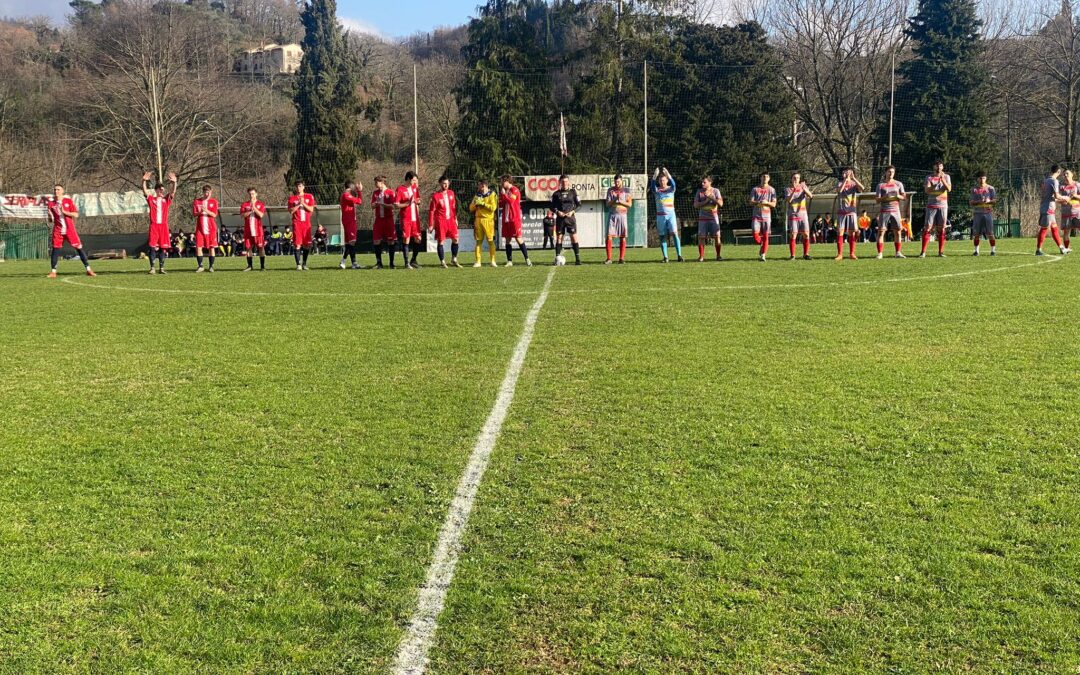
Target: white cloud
{"points": [[352, 25]]}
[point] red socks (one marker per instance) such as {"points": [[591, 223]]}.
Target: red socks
{"points": [[791, 247], [718, 246], [898, 243], [1057, 236], [941, 244], [806, 246], [757, 237], [700, 250], [839, 246], [609, 248], [851, 243], [622, 248], [880, 247], [764, 244], [925, 241]]}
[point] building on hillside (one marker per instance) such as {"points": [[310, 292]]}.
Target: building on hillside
{"points": [[273, 59]]}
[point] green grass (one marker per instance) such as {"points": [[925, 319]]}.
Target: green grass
{"points": [[789, 467]]}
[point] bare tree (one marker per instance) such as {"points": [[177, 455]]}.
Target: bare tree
{"points": [[838, 58], [143, 104]]}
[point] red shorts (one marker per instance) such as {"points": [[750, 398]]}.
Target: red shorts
{"points": [[350, 232], [302, 235], [410, 230], [384, 231], [205, 241], [444, 232], [511, 230], [71, 235], [159, 236], [252, 242]]}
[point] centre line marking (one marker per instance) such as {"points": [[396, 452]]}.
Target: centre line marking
{"points": [[412, 652]]}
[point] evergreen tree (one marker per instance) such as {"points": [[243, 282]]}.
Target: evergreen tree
{"points": [[730, 119], [505, 100], [327, 130], [942, 101]]}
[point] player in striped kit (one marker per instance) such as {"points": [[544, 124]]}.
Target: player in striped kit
{"points": [[383, 232], [63, 213], [1070, 208], [252, 212], [708, 201], [763, 201], [205, 211], [847, 203], [352, 197], [442, 221], [619, 201], [937, 187], [983, 198], [301, 205], [890, 194], [667, 225], [1051, 197], [798, 197], [159, 202]]}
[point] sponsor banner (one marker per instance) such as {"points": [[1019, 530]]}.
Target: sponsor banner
{"points": [[590, 187], [89, 204]]}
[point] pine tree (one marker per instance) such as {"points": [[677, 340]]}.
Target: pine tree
{"points": [[943, 101], [327, 130], [505, 97]]}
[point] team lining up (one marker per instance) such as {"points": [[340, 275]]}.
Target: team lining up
{"points": [[398, 220]]}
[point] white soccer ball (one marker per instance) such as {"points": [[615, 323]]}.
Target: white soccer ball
{"points": [[560, 260]]}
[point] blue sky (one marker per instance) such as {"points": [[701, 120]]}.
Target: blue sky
{"points": [[418, 15], [389, 19]]}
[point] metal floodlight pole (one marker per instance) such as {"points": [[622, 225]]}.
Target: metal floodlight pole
{"points": [[415, 125], [220, 174], [892, 102], [645, 112]]}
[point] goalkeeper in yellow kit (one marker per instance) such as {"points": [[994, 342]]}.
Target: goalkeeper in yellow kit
{"points": [[483, 206]]}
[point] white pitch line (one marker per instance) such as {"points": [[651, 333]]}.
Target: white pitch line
{"points": [[412, 653], [640, 289]]}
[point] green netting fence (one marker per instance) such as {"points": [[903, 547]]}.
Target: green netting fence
{"points": [[24, 241]]}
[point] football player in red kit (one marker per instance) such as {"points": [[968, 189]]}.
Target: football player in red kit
{"points": [[352, 197], [62, 214], [442, 221], [159, 202], [252, 212], [205, 211], [301, 205], [408, 203], [510, 207], [383, 232]]}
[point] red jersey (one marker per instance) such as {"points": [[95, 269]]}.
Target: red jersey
{"points": [[159, 209], [301, 216], [348, 203], [252, 221], [382, 204], [204, 223], [408, 194], [510, 203], [442, 208], [58, 219]]}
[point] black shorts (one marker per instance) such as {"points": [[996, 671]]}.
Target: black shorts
{"points": [[566, 226]]}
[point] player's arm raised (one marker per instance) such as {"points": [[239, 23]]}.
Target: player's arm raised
{"points": [[172, 181], [146, 183]]}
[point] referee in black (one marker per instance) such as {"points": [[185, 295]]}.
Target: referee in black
{"points": [[565, 203]]}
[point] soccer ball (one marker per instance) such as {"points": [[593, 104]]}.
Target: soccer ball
{"points": [[560, 260]]}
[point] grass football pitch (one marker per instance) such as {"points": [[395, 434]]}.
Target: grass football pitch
{"points": [[864, 466]]}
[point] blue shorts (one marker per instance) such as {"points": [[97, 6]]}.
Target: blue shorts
{"points": [[667, 225]]}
